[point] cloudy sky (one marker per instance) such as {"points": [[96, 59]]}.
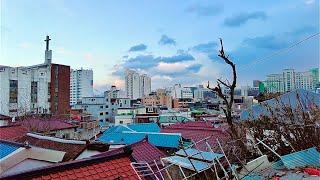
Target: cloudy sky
{"points": [[172, 41]]}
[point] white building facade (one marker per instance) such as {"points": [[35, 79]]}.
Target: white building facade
{"points": [[25, 90], [81, 85]]}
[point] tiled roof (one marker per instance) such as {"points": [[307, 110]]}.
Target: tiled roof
{"points": [[105, 167], [12, 132], [144, 151], [141, 151], [197, 131], [7, 148], [41, 125], [72, 150]]}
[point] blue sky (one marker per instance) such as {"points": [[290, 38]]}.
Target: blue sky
{"points": [[172, 41]]}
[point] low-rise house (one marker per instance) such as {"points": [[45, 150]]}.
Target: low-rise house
{"points": [[50, 127], [16, 157], [124, 116], [72, 148], [132, 133], [146, 114], [109, 166]]}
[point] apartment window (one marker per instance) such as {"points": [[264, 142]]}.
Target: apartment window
{"points": [[13, 91], [106, 106], [34, 92], [101, 113], [107, 113], [101, 107]]}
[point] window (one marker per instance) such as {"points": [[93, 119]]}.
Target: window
{"points": [[106, 106], [34, 92], [13, 91], [121, 122], [101, 107], [107, 113], [101, 113]]}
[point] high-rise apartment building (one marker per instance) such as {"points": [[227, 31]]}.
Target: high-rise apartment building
{"points": [[289, 80], [37, 89], [81, 85], [136, 86], [145, 85]]}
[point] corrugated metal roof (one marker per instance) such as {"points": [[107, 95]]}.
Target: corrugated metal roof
{"points": [[308, 157], [144, 127], [130, 134], [6, 149]]}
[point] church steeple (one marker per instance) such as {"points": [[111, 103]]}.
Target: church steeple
{"points": [[48, 53]]}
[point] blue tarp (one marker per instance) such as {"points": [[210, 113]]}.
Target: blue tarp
{"points": [[291, 99]]}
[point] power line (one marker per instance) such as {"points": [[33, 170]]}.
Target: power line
{"points": [[246, 67]]}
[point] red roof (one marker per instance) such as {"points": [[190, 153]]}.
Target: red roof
{"points": [[72, 150], [106, 167], [144, 151], [12, 132], [197, 131], [141, 151], [41, 125]]}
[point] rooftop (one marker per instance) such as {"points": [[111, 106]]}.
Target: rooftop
{"points": [[133, 133], [196, 131], [116, 166], [41, 125], [7, 148], [12, 132], [142, 151], [71, 147]]}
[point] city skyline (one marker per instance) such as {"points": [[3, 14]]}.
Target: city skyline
{"points": [[179, 46]]}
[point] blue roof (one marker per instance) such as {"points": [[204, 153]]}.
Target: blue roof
{"points": [[132, 133], [144, 127], [118, 129], [308, 157], [165, 140], [291, 99], [6, 149], [121, 138]]}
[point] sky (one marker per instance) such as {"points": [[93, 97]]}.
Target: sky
{"points": [[171, 41]]}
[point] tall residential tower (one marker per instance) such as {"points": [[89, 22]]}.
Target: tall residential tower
{"points": [[136, 86]]}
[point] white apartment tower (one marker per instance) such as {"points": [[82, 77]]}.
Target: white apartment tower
{"points": [[145, 85], [136, 86], [290, 80], [81, 85]]}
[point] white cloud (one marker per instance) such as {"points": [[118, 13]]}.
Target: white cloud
{"points": [[171, 67]]}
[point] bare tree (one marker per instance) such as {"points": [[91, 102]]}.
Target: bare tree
{"points": [[229, 97]]}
